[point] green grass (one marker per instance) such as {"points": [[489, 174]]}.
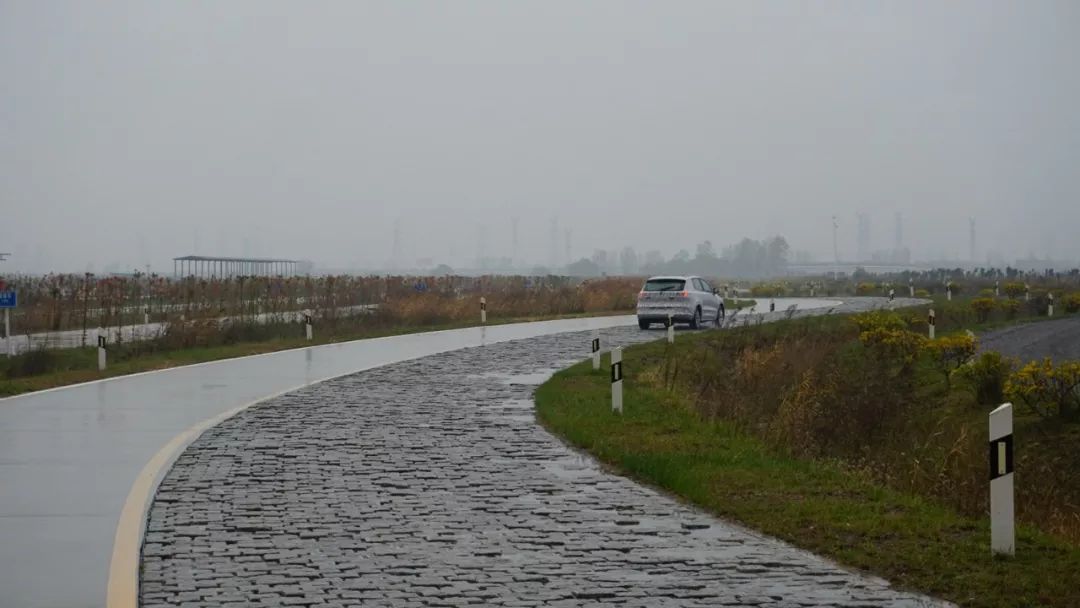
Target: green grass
{"points": [[911, 541], [74, 365]]}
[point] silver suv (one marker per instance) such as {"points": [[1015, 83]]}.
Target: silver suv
{"points": [[682, 299]]}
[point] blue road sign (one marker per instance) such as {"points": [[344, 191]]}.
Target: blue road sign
{"points": [[8, 299]]}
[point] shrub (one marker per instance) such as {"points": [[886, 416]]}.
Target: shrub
{"points": [[1014, 290], [1049, 390], [950, 352], [767, 290], [1071, 302], [879, 319], [982, 308], [986, 377], [922, 293], [986, 293], [32, 363], [865, 289], [1010, 308]]}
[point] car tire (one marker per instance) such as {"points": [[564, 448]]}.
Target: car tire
{"points": [[695, 322], [643, 324], [718, 321]]}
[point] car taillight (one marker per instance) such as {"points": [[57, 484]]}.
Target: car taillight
{"points": [[683, 294], [641, 294]]}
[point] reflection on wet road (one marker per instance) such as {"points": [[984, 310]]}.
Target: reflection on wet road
{"points": [[68, 457]]}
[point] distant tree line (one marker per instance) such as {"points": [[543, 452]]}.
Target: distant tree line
{"points": [[748, 258]]}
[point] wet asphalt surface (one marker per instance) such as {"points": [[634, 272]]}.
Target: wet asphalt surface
{"points": [[429, 483], [1059, 340]]}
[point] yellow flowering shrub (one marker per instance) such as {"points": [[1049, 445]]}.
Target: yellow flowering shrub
{"points": [[982, 307], [1014, 289], [1049, 390], [950, 352]]}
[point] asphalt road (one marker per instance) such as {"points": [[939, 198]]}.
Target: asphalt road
{"points": [[1059, 340]]}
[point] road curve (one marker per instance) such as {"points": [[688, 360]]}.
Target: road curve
{"points": [[428, 482], [78, 464], [72, 459]]}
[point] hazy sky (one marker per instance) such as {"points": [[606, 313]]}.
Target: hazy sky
{"points": [[134, 132]]}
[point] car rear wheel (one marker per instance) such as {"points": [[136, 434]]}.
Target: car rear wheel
{"points": [[643, 324], [696, 321]]}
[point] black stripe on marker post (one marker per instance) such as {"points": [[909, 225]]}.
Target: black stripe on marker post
{"points": [[596, 345], [1001, 447], [616, 372], [101, 341]]}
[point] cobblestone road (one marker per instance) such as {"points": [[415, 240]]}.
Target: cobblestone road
{"points": [[428, 483]]}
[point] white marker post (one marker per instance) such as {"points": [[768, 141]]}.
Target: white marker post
{"points": [[596, 349], [670, 330], [997, 289], [1002, 526], [811, 290], [483, 310], [1027, 292], [307, 327], [616, 379], [931, 321], [911, 288], [1050, 307], [948, 292], [7, 333], [101, 351], [146, 317]]}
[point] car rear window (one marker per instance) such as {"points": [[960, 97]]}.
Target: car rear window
{"points": [[664, 285]]}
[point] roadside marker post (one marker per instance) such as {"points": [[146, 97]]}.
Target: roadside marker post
{"points": [[307, 326], [1002, 523], [670, 330], [997, 289], [596, 349], [911, 287], [1027, 292], [483, 310], [616, 379], [931, 321], [948, 292], [101, 351], [146, 317], [1050, 308]]}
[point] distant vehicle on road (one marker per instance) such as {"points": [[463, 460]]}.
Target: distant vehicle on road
{"points": [[684, 299]]}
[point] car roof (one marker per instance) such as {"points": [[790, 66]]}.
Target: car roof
{"points": [[673, 277]]}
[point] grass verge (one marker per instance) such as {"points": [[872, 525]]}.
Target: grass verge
{"points": [[912, 541]]}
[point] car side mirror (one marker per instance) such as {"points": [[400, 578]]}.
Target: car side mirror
{"points": [[715, 291]]}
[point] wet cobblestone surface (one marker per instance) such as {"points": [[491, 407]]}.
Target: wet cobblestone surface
{"points": [[429, 483]]}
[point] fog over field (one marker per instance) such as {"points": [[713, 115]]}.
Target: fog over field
{"points": [[133, 132]]}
